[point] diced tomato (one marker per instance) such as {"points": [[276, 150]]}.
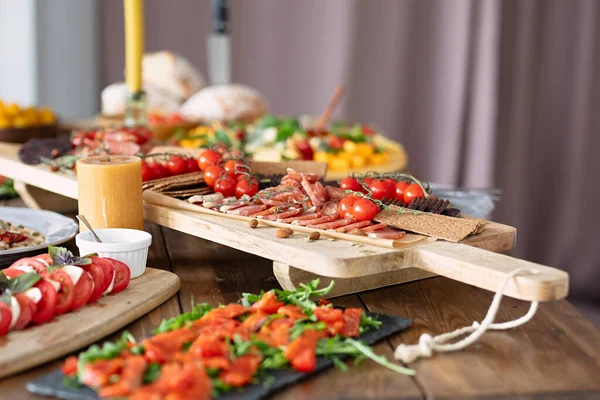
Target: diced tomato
{"points": [[241, 371], [122, 277], [301, 352], [351, 320], [5, 318], [82, 291], [70, 366], [324, 302], [97, 274], [46, 306], [207, 347], [229, 311], [255, 321], [130, 380], [66, 293], [292, 312], [328, 314], [98, 373], [162, 348], [268, 303]]}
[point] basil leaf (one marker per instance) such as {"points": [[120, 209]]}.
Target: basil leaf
{"points": [[62, 256], [222, 137], [23, 282], [5, 297]]}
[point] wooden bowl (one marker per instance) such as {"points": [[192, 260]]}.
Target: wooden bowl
{"points": [[21, 135]]}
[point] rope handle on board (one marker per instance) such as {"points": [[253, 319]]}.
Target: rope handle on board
{"points": [[428, 344]]}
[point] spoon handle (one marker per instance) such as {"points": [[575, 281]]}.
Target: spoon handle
{"points": [[84, 221]]}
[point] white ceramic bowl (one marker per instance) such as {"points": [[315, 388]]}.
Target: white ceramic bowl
{"points": [[126, 245]]}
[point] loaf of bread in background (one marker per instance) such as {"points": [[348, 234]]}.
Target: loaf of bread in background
{"points": [[172, 73], [225, 103], [159, 101]]}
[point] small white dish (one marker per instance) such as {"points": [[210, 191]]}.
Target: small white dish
{"points": [[126, 245]]}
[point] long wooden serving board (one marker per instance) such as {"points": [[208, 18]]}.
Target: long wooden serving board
{"points": [[20, 350]]}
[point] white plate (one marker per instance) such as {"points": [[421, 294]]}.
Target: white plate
{"points": [[56, 228]]}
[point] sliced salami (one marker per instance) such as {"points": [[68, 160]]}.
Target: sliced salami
{"points": [[334, 224], [248, 210], [302, 217], [283, 215], [330, 208], [320, 220], [375, 227], [357, 225], [387, 233]]}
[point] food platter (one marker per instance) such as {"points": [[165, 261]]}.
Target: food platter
{"points": [[56, 229]]}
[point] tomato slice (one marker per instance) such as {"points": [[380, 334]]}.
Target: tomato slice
{"points": [[45, 258], [27, 309], [46, 306], [122, 275], [82, 291], [38, 266], [5, 318], [107, 268], [66, 293], [12, 273], [97, 274]]}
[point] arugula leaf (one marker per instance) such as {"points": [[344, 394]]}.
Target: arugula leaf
{"points": [[151, 373], [367, 322], [198, 311], [249, 298], [23, 282], [368, 352], [62, 256], [219, 387], [300, 326], [137, 350]]}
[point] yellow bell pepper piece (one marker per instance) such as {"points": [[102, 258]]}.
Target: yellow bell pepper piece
{"points": [[358, 161], [364, 149], [339, 164], [350, 146], [322, 156], [378, 159]]}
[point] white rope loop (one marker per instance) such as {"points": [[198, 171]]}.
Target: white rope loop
{"points": [[428, 344]]}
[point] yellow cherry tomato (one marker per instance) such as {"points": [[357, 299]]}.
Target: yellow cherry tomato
{"points": [[5, 121], [349, 146], [191, 143], [21, 121], [322, 156], [339, 164], [345, 155], [378, 159], [12, 109], [1, 106], [358, 161], [364, 149]]}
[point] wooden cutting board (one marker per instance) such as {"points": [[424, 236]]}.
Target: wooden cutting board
{"points": [[20, 350]]}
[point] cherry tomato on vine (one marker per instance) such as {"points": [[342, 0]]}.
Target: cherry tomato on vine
{"points": [[400, 188], [367, 181], [391, 182], [364, 210], [412, 191], [248, 186], [225, 185], [336, 142], [382, 190], [234, 167], [191, 165], [146, 173], [345, 206], [176, 165], [158, 170], [305, 149], [350, 183], [208, 157], [211, 174]]}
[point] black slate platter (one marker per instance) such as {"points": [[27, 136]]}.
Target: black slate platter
{"points": [[52, 384]]}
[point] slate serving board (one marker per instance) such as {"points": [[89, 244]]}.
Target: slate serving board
{"points": [[52, 384]]}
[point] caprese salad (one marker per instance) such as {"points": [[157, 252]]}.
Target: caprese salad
{"points": [[35, 289]]}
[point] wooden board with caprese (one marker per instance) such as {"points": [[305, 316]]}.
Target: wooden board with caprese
{"points": [[43, 295]]}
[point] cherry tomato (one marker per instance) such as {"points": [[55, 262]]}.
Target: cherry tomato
{"points": [[382, 190], [65, 293], [367, 131], [5, 318], [234, 167], [336, 142], [353, 184], [46, 306], [305, 149], [412, 191], [176, 165], [83, 291], [142, 135], [211, 174], [248, 186], [400, 188], [345, 206], [364, 210], [225, 185], [191, 165], [391, 182], [207, 158], [122, 275], [367, 181], [174, 118], [155, 119], [146, 172], [158, 170]]}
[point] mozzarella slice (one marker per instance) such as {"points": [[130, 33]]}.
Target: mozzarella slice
{"points": [[34, 294], [43, 262], [55, 284], [74, 272], [112, 283], [25, 268], [16, 312]]}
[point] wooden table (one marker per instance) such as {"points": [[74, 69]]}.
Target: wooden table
{"points": [[556, 355]]}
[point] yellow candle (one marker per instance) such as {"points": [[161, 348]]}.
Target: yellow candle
{"points": [[110, 191], [134, 43]]}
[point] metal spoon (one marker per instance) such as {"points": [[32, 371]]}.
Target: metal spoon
{"points": [[84, 221]]}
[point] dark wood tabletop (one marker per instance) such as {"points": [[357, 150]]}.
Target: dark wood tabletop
{"points": [[556, 355]]}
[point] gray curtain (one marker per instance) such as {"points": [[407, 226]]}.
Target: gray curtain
{"points": [[481, 92]]}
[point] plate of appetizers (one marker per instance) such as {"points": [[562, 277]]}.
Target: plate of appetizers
{"points": [[24, 230]]}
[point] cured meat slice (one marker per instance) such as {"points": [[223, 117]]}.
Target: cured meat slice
{"points": [[315, 192], [302, 217], [297, 177], [387, 233], [281, 196], [214, 198], [248, 210], [334, 193], [357, 225], [375, 227], [282, 215], [334, 224], [330, 208], [317, 221], [268, 211], [232, 206]]}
